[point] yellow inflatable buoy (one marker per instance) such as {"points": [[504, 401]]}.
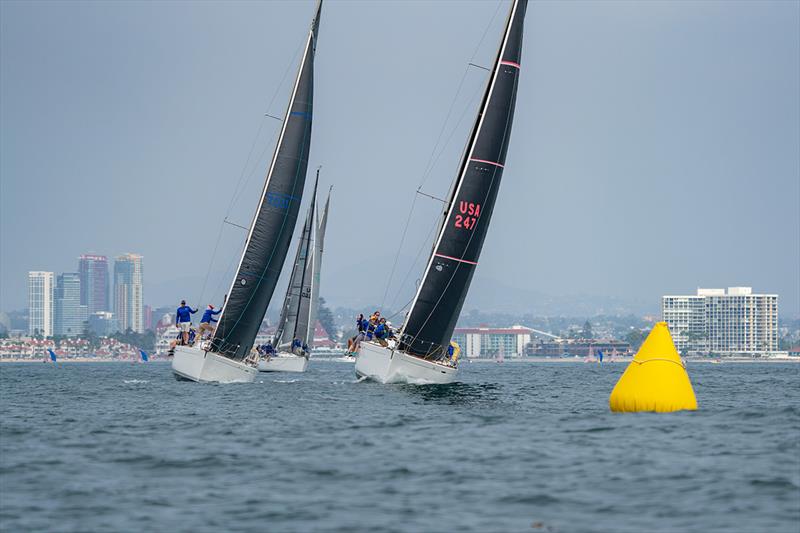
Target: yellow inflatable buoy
{"points": [[656, 379]]}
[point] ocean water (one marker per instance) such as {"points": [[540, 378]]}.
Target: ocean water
{"points": [[514, 447]]}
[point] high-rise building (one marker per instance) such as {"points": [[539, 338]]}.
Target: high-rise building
{"points": [[128, 302], [70, 315], [102, 323], [723, 322], [40, 303], [94, 282]]}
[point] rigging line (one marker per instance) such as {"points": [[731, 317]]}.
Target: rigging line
{"points": [[208, 270], [226, 221], [244, 168], [434, 226], [399, 248], [431, 160], [431, 196], [283, 225], [412, 268], [429, 166], [261, 125], [488, 191], [469, 106]]}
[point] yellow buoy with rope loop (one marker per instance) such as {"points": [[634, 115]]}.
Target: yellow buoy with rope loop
{"points": [[656, 379]]}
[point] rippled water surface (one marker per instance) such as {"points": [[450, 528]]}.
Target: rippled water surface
{"points": [[514, 447]]}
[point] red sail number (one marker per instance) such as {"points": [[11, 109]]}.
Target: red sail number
{"points": [[468, 216]]}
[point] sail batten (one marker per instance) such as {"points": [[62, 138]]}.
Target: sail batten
{"points": [[440, 296], [275, 218]]}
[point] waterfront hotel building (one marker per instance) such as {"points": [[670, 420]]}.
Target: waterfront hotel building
{"points": [[724, 322], [493, 342]]}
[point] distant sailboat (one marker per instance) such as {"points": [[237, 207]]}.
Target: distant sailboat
{"points": [[299, 313], [227, 357], [421, 352], [52, 355], [145, 358]]}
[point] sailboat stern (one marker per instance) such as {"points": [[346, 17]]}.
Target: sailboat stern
{"points": [[283, 362], [193, 364], [393, 366]]}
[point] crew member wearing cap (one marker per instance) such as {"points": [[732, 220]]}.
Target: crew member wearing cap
{"points": [[207, 321]]}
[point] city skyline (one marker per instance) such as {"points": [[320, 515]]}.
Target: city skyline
{"points": [[697, 186]]}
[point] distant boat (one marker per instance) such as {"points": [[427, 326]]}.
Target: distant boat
{"points": [[298, 320], [600, 355], [52, 355], [228, 357], [501, 354], [421, 353], [144, 356]]}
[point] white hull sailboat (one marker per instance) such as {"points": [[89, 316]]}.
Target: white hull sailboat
{"points": [[228, 356], [298, 319], [387, 365], [194, 364], [424, 351], [283, 362]]}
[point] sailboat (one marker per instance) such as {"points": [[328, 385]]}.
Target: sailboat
{"points": [[227, 356], [299, 313], [421, 351]]}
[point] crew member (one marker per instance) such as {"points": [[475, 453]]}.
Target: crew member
{"points": [[183, 320], [207, 321]]}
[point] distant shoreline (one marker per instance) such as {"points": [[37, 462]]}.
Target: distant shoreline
{"points": [[533, 360]]}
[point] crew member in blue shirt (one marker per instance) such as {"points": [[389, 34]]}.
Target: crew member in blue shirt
{"points": [[207, 321], [183, 320]]}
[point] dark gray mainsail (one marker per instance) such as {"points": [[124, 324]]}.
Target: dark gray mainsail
{"points": [[440, 296], [275, 219], [295, 314]]}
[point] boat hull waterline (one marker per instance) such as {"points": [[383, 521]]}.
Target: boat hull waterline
{"points": [[392, 366], [194, 364], [283, 362]]}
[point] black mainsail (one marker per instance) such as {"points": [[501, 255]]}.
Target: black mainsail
{"points": [[275, 219], [440, 296], [296, 312]]}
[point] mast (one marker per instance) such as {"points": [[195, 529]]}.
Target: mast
{"points": [[274, 221], [434, 311]]}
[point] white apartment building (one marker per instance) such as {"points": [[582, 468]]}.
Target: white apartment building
{"points": [[493, 342], [723, 322], [41, 288]]}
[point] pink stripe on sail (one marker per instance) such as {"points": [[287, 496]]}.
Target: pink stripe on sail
{"points": [[456, 259], [487, 162], [510, 63]]}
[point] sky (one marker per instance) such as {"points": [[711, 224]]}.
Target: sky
{"points": [[655, 147]]}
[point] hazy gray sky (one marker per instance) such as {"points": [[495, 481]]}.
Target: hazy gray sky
{"points": [[656, 145]]}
